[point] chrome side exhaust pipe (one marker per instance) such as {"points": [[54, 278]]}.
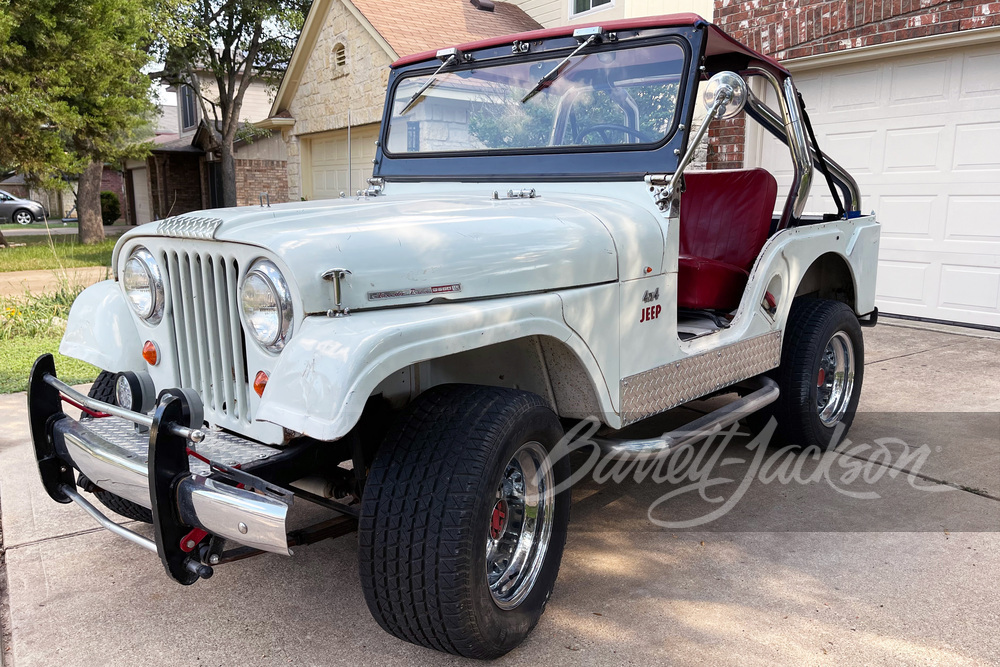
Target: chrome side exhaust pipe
{"points": [[702, 427]]}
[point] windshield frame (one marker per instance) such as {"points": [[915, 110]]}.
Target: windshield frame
{"points": [[579, 162]]}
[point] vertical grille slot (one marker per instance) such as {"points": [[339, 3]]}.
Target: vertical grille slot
{"points": [[208, 334]]}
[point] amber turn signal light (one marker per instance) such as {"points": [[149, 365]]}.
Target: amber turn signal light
{"points": [[149, 352], [259, 382]]}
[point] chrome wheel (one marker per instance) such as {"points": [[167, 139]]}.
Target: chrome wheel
{"points": [[520, 525], [835, 379], [22, 217]]}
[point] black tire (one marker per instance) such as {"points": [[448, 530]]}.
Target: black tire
{"points": [[425, 519], [103, 389], [15, 214], [812, 325]]}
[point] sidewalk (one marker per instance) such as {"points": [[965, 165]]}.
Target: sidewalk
{"points": [[57, 229], [16, 283]]}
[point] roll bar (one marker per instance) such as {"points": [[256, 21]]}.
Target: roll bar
{"points": [[789, 128]]}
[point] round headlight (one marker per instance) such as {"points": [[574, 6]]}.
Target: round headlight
{"points": [[143, 285], [266, 304]]}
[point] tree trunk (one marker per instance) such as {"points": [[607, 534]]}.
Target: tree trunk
{"points": [[228, 172], [88, 204]]}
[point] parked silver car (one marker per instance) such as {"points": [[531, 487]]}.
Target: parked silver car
{"points": [[21, 211]]}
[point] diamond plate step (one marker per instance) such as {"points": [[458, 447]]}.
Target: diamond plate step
{"points": [[220, 447]]}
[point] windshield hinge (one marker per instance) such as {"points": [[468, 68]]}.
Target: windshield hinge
{"points": [[523, 193], [665, 198], [375, 186]]}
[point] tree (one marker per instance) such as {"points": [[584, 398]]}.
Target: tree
{"points": [[229, 44], [72, 93]]}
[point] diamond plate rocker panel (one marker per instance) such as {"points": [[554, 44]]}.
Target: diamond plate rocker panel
{"points": [[659, 389]]}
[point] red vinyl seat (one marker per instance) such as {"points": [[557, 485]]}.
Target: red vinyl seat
{"points": [[725, 220]]}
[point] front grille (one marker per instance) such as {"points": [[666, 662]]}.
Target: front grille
{"points": [[205, 318]]}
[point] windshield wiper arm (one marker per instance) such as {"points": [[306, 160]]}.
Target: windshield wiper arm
{"points": [[594, 37], [450, 57]]}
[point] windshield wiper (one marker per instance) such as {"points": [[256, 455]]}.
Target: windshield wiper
{"points": [[450, 57], [593, 36]]}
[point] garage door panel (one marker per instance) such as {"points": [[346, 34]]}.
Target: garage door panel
{"points": [[970, 288], [973, 217], [921, 135], [853, 91], [920, 82], [855, 151], [907, 215], [913, 149], [902, 282], [981, 75], [977, 146], [328, 161]]}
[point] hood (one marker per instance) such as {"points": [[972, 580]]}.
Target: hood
{"points": [[405, 250]]}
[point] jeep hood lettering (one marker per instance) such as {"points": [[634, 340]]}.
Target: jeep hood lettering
{"points": [[408, 251]]}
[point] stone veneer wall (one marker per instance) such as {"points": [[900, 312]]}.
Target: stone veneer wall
{"points": [[327, 91]]}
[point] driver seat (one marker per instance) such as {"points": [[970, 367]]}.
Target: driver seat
{"points": [[725, 221]]}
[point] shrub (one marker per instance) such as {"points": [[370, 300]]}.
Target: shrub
{"points": [[111, 207]]}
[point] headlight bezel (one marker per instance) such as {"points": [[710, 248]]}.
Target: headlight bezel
{"points": [[269, 272], [154, 315]]}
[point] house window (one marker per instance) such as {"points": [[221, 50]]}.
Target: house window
{"points": [[339, 55], [189, 109], [413, 136], [581, 6]]}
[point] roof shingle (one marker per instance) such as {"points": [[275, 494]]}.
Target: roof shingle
{"points": [[412, 26]]}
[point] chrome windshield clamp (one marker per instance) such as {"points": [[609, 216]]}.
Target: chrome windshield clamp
{"points": [[523, 193], [375, 186], [336, 275]]}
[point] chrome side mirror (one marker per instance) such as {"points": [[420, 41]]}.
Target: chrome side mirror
{"points": [[724, 97], [727, 93]]}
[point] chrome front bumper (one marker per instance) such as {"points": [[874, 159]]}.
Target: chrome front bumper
{"points": [[112, 463], [188, 478]]}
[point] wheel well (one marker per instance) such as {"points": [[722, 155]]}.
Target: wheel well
{"points": [[829, 277], [540, 364]]}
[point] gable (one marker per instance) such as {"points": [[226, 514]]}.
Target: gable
{"points": [[339, 20]]}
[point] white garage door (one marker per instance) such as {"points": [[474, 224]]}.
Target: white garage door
{"points": [[140, 192], [921, 135], [328, 162]]}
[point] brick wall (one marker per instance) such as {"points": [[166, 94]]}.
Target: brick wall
{"points": [[256, 176], [175, 179], [788, 29], [112, 181]]}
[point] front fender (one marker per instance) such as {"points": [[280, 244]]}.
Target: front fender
{"points": [[331, 366], [101, 331]]}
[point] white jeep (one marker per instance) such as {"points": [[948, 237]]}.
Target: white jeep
{"points": [[533, 250]]}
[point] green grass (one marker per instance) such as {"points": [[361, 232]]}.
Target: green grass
{"points": [[18, 354], [63, 252], [32, 325]]}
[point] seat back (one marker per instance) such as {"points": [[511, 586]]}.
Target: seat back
{"points": [[726, 215]]}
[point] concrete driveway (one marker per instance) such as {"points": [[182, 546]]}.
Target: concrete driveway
{"points": [[794, 574]]}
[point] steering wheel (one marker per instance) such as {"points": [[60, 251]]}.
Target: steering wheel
{"points": [[604, 128]]}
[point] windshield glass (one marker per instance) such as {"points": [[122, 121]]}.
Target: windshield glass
{"points": [[601, 98]]}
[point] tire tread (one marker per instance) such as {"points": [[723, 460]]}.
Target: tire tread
{"points": [[414, 524]]}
